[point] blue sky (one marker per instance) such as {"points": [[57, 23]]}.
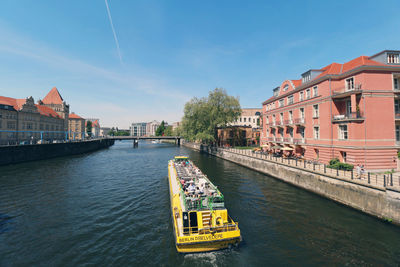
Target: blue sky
{"points": [[172, 50]]}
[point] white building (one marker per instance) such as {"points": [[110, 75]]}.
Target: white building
{"points": [[151, 128], [138, 129], [249, 117]]}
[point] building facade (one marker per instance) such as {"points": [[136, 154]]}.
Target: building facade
{"points": [[55, 101], [348, 111], [76, 127], [249, 117], [151, 128], [231, 136], [23, 121], [138, 129]]}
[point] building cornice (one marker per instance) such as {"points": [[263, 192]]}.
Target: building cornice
{"points": [[334, 77]]}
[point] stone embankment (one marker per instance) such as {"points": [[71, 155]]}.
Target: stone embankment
{"points": [[376, 200], [23, 153]]}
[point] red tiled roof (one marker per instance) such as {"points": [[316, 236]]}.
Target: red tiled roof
{"points": [[46, 111], [75, 116], [296, 83], [53, 97], [16, 103], [95, 123]]}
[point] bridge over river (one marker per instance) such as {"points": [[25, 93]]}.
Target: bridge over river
{"points": [[137, 138]]}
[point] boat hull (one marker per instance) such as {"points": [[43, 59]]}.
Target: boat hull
{"points": [[197, 242]]}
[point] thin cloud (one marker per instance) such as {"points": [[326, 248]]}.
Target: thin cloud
{"points": [[113, 30]]}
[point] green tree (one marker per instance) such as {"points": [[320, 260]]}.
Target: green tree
{"points": [[89, 128], [202, 117], [160, 130], [168, 131]]}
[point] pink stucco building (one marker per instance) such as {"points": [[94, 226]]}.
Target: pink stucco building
{"points": [[349, 111]]}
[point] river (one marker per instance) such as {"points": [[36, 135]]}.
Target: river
{"points": [[111, 208]]}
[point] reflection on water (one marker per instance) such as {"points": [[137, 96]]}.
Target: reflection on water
{"points": [[111, 207]]}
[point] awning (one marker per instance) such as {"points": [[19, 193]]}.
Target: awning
{"points": [[287, 148], [265, 146], [276, 147]]}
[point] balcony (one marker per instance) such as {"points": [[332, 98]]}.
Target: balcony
{"points": [[288, 122], [345, 92], [279, 139], [299, 121], [353, 116], [288, 140], [299, 141]]}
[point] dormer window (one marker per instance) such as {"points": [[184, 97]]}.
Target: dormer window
{"points": [[393, 58], [286, 87], [307, 77]]}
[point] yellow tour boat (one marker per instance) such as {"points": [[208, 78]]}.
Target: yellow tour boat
{"points": [[200, 219]]}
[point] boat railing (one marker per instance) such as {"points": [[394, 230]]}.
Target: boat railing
{"points": [[187, 231]]}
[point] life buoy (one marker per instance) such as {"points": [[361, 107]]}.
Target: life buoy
{"points": [[218, 220]]}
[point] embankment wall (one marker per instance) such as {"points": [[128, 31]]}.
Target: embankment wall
{"points": [[23, 153], [381, 202]]}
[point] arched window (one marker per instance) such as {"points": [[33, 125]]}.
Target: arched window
{"points": [[286, 87]]}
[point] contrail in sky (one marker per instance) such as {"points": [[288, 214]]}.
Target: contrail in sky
{"points": [[113, 30]]}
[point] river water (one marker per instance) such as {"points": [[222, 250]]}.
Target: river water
{"points": [[111, 208]]}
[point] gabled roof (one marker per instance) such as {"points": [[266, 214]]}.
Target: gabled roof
{"points": [[16, 103], [53, 97], [96, 123], [75, 116], [46, 111]]}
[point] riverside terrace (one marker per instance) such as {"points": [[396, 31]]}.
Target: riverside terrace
{"points": [[369, 179]]}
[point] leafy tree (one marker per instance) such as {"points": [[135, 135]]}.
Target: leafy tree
{"points": [[168, 131], [203, 116], [89, 128], [160, 130]]}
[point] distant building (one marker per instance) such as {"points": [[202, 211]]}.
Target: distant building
{"points": [[138, 129], [104, 131], [21, 120], [151, 128], [249, 117], [175, 125], [76, 127], [95, 127], [235, 136], [55, 101]]}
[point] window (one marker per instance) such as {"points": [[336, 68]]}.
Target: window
{"points": [[397, 106], [301, 98], [302, 132], [393, 58], [316, 151], [286, 87], [290, 130], [315, 91], [240, 119], [348, 107], [273, 119], [344, 156], [302, 113], [290, 116], [10, 124], [316, 132], [308, 94], [343, 134], [315, 111], [290, 100], [281, 117], [281, 103], [398, 133], [350, 83], [244, 119], [396, 83]]}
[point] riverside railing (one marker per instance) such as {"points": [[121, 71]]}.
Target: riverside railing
{"points": [[28, 137], [387, 180]]}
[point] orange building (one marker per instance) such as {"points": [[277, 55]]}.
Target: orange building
{"points": [[76, 127], [349, 111]]}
